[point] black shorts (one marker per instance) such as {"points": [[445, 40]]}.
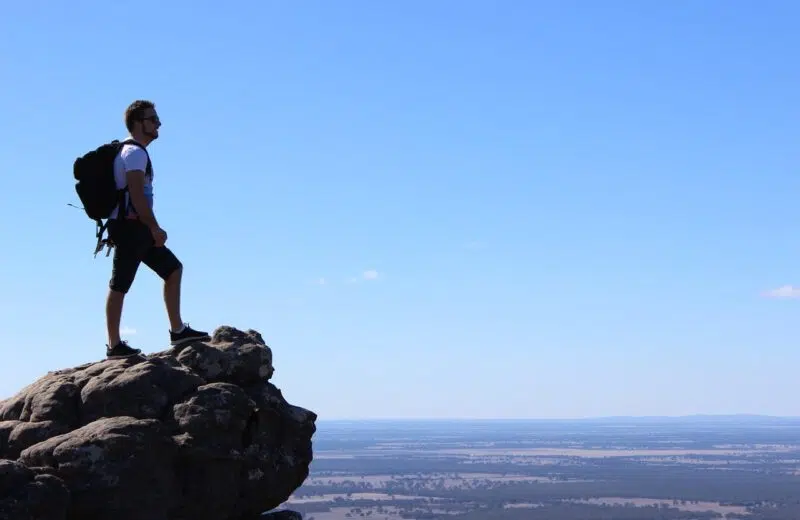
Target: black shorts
{"points": [[133, 245]]}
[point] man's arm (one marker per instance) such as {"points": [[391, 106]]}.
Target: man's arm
{"points": [[135, 180]]}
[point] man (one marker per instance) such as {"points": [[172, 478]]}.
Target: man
{"points": [[137, 236]]}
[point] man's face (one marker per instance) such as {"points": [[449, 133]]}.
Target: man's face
{"points": [[151, 124]]}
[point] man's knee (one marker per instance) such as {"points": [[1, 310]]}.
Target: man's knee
{"points": [[164, 263], [175, 273], [171, 270], [120, 286], [122, 275]]}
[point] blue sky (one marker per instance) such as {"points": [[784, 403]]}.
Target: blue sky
{"points": [[518, 209]]}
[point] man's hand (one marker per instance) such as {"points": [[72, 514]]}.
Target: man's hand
{"points": [[159, 236]]}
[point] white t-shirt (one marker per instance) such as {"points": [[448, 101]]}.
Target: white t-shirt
{"points": [[131, 157]]}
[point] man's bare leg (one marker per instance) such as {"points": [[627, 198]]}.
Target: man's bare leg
{"points": [[114, 303], [172, 299], [180, 333]]}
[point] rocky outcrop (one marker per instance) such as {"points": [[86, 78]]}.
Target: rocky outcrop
{"points": [[192, 434], [27, 494]]}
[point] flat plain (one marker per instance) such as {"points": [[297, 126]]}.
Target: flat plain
{"points": [[702, 467]]}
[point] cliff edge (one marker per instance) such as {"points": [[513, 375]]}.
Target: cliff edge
{"points": [[197, 433]]}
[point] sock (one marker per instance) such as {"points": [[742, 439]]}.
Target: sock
{"points": [[183, 327]]}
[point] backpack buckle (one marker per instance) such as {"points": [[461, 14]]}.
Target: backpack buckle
{"points": [[103, 242]]}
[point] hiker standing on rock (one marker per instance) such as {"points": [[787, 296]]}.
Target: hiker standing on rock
{"points": [[136, 235]]}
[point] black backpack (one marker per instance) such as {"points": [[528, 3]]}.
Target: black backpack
{"points": [[97, 188]]}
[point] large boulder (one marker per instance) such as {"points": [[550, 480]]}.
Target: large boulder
{"points": [[27, 494], [192, 433]]}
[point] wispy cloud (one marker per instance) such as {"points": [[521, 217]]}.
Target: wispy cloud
{"points": [[127, 331], [368, 275], [786, 291]]}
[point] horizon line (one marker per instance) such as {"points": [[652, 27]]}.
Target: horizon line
{"points": [[582, 418]]}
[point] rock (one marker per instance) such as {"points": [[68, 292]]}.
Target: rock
{"points": [[192, 433], [15, 436], [26, 495]]}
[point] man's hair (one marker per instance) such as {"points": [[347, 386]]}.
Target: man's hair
{"points": [[135, 112]]}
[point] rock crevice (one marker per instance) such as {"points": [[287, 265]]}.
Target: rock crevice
{"points": [[197, 433]]}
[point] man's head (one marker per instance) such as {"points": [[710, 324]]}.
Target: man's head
{"points": [[142, 121]]}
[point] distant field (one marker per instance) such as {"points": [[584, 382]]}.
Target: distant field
{"points": [[591, 471], [569, 452], [692, 507], [346, 513], [353, 496], [600, 452], [431, 480]]}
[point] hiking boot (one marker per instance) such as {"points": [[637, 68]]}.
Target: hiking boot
{"points": [[186, 335], [121, 349]]}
